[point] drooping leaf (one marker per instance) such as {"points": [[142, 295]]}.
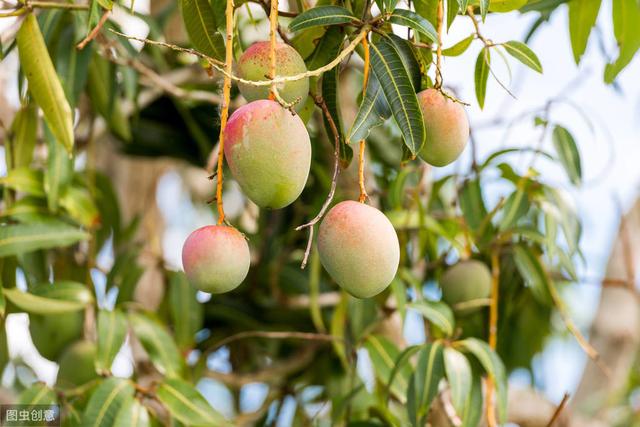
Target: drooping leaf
{"points": [[532, 270], [72, 65], [524, 54], [492, 364], [112, 331], [321, 16], [436, 312], [626, 21], [429, 372], [24, 129], [482, 75], [582, 18], [373, 111], [38, 394], [453, 6], [458, 48], [411, 19], [64, 290], [472, 204], [459, 377], [331, 97], [186, 312], [39, 305], [105, 402], [383, 354], [25, 180], [516, 206], [568, 153], [187, 405], [399, 92], [474, 405], [59, 171], [402, 363], [20, 238], [484, 8], [132, 413], [157, 343], [44, 85], [200, 23], [80, 206], [408, 57]]}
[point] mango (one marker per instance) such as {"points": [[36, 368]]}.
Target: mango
{"points": [[77, 366], [359, 248], [467, 283], [447, 128], [216, 258], [51, 334], [254, 65], [269, 153]]}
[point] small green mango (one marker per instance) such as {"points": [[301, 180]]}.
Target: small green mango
{"points": [[466, 285]]}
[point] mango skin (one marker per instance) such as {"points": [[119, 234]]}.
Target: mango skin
{"points": [[359, 248], [269, 153], [466, 281], [51, 334], [216, 258], [447, 128], [254, 65], [77, 365]]}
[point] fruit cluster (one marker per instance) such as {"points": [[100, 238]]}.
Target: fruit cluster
{"points": [[268, 150]]}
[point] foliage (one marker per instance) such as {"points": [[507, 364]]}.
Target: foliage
{"points": [[59, 212]]}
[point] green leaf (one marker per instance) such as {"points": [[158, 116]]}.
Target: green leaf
{"points": [[436, 312], [25, 180], [20, 238], [459, 376], [492, 364], [453, 6], [626, 21], [383, 354], [582, 18], [337, 329], [72, 65], [472, 204], [331, 96], [44, 85], [408, 18], [458, 48], [24, 129], [158, 344], [484, 8], [186, 311], [568, 153], [524, 54], [187, 405], [200, 23], [112, 331], [474, 405], [428, 373], [80, 206], [321, 16], [105, 402], [59, 171], [373, 112], [482, 75], [65, 290], [516, 206], [399, 92], [37, 394], [132, 414], [39, 305], [402, 363], [531, 269]]}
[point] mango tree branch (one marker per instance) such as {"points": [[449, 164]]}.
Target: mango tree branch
{"points": [[219, 66], [224, 114]]}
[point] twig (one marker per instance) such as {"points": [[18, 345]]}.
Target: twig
{"points": [[493, 331], [440, 18], [273, 24], [284, 335], [224, 114], [556, 413], [363, 190], [334, 179], [219, 66], [93, 33]]}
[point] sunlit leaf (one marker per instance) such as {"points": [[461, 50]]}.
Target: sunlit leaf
{"points": [[568, 153], [25, 180], [524, 54], [429, 372], [321, 15], [383, 354], [532, 270], [436, 312], [626, 21], [112, 331], [132, 414], [158, 344], [458, 372], [200, 23], [482, 75], [582, 18], [411, 19], [187, 405], [39, 305], [44, 85], [105, 402], [458, 48], [20, 238]]}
